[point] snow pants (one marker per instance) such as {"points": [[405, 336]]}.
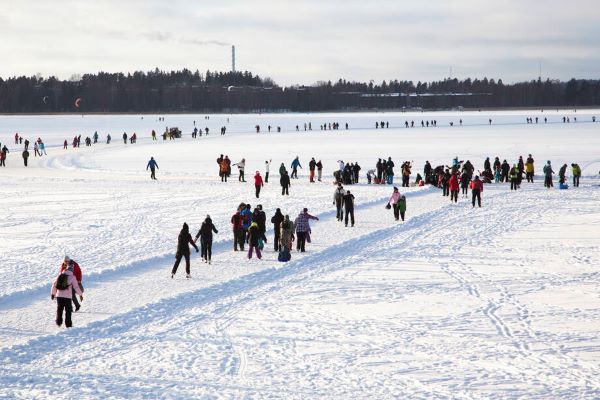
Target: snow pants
{"points": [[258, 255], [300, 241], [64, 304], [339, 209], [351, 212], [476, 193], [239, 237], [206, 248]]}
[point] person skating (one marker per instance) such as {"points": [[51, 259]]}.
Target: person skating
{"points": [[312, 165], [183, 250], [253, 239], [393, 203], [241, 166], [76, 269], [548, 175], [295, 165], [258, 183], [205, 234], [302, 226], [454, 187], [237, 223], [62, 291], [276, 220], [338, 200], [153, 167], [348, 208], [25, 156], [65, 145], [284, 180], [576, 174], [476, 186], [124, 137], [267, 167]]}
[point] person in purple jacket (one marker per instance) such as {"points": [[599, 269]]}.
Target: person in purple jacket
{"points": [[303, 228], [62, 290]]}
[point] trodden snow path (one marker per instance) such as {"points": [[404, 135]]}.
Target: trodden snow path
{"points": [[384, 310]]}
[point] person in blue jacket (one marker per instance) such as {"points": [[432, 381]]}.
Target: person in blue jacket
{"points": [[153, 167], [295, 165], [246, 215]]}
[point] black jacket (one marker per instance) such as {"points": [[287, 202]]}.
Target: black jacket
{"points": [[349, 201], [277, 219], [253, 236], [206, 229], [284, 180], [183, 240]]}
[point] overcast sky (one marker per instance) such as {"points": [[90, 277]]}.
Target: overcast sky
{"points": [[304, 41]]}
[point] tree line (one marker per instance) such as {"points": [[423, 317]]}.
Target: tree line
{"points": [[187, 91]]}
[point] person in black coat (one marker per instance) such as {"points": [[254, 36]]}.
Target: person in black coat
{"points": [[349, 207], [183, 250], [277, 219], [261, 221], [356, 171], [205, 235], [285, 183], [427, 171]]}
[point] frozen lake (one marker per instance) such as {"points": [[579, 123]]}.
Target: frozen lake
{"points": [[454, 302]]}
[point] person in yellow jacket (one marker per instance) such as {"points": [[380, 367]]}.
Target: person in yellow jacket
{"points": [[529, 171], [576, 174]]}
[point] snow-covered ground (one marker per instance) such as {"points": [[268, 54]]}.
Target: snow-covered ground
{"points": [[455, 302]]}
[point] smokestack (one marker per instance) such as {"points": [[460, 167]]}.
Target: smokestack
{"points": [[232, 58]]}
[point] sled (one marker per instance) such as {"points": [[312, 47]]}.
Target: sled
{"points": [[563, 186], [284, 254]]}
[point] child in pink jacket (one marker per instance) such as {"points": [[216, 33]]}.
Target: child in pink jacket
{"points": [[63, 297]]}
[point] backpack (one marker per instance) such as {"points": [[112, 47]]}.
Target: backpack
{"points": [[62, 282]]}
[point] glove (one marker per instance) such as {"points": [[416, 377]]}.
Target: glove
{"points": [[197, 251], [81, 298], [52, 296], [334, 203]]}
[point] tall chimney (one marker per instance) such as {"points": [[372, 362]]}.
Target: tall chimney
{"points": [[232, 58]]}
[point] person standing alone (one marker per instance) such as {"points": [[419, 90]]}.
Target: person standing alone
{"points": [[153, 167]]}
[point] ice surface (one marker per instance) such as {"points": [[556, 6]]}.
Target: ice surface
{"points": [[455, 302]]}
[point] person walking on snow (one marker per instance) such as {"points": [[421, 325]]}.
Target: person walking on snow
{"points": [[267, 167], [183, 250], [287, 233], [295, 165], [349, 208], [153, 167], [258, 183], [205, 234], [476, 186], [319, 170], [402, 206], [338, 198], [25, 156], [62, 290], [76, 269], [302, 226], [514, 177]]}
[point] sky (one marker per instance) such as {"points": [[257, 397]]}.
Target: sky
{"points": [[305, 41]]}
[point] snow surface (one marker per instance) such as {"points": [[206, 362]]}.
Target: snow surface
{"points": [[497, 302]]}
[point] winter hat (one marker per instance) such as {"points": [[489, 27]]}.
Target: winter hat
{"points": [[207, 216], [259, 206], [185, 226], [67, 259], [305, 209], [548, 161], [395, 188]]}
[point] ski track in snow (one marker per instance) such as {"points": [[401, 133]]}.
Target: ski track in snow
{"points": [[498, 302]]}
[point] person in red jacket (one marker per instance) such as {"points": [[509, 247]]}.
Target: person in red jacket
{"points": [[238, 231], [476, 186], [258, 183], [68, 263], [454, 187]]}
